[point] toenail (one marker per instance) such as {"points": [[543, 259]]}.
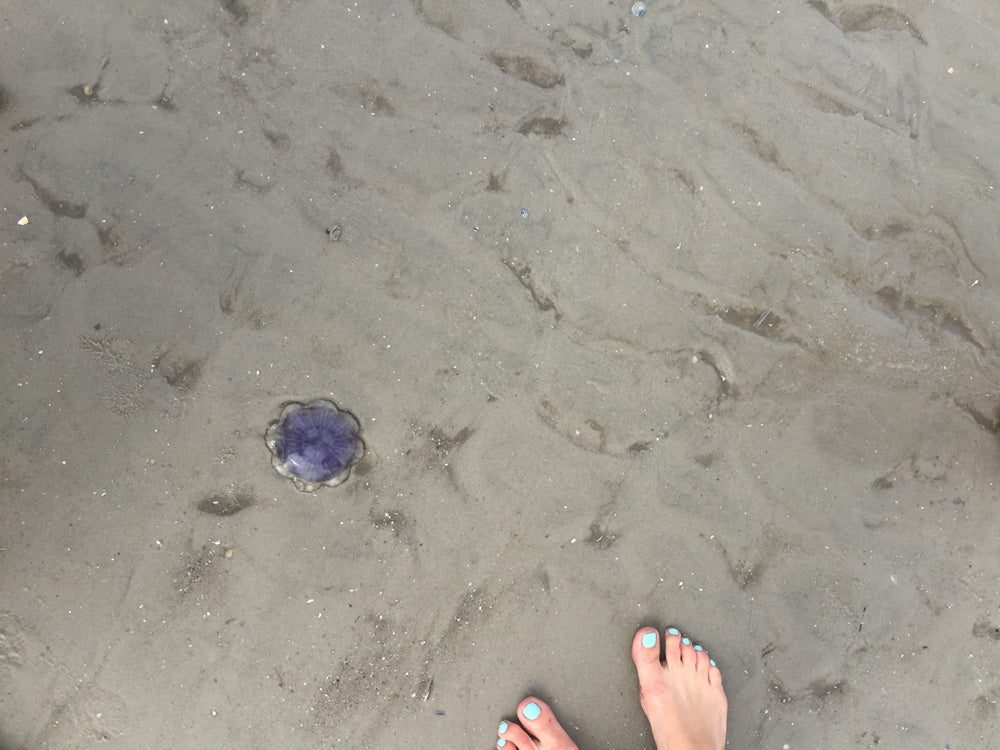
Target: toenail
{"points": [[712, 662], [649, 640], [698, 648], [531, 711], [673, 631], [503, 727], [501, 742], [686, 641]]}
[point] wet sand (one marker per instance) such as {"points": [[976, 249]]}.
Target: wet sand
{"points": [[685, 319]]}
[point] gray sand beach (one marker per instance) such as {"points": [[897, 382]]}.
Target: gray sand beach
{"points": [[684, 319]]}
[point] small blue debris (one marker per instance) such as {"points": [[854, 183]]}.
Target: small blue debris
{"points": [[524, 213]]}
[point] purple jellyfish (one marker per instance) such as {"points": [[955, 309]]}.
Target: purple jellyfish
{"points": [[314, 444]]}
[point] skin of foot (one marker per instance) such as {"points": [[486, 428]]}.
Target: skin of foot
{"points": [[680, 690], [538, 729]]}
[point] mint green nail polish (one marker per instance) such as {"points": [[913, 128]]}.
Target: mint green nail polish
{"points": [[698, 648], [673, 631], [686, 641], [712, 662], [649, 640], [531, 711], [501, 742], [503, 727]]}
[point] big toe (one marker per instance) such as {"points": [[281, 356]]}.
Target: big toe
{"points": [[646, 652], [538, 728]]}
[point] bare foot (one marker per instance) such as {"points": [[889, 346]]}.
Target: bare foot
{"points": [[681, 695], [543, 731]]}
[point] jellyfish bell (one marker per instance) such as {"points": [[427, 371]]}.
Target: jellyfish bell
{"points": [[314, 444]]}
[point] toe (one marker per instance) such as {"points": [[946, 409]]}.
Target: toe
{"points": [[714, 675], [688, 653], [646, 648], [672, 648], [540, 721], [648, 667], [701, 661]]}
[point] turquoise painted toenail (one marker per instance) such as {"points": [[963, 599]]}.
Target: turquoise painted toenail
{"points": [[501, 742], [686, 641], [531, 711], [712, 662], [698, 648], [649, 640], [503, 727], [673, 631]]}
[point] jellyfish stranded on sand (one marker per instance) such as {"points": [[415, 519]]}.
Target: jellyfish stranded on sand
{"points": [[314, 444]]}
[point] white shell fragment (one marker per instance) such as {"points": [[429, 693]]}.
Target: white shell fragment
{"points": [[22, 221], [639, 10]]}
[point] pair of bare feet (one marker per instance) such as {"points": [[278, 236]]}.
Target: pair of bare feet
{"points": [[680, 690]]}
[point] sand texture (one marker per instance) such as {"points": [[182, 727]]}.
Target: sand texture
{"points": [[688, 319]]}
